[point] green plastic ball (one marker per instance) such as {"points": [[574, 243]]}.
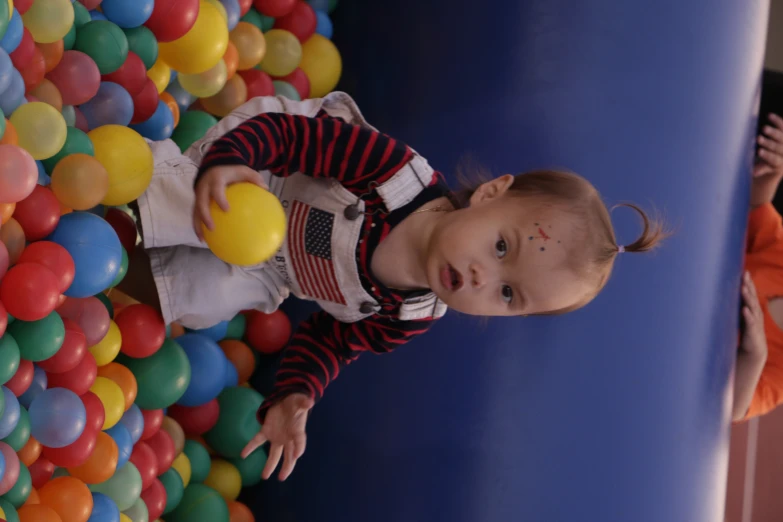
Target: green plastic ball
{"points": [[21, 434], [251, 467], [81, 15], [138, 511], [18, 494], [162, 377], [200, 463], [10, 511], [200, 503], [236, 328], [123, 269], [174, 487], [9, 357], [104, 42], [142, 42], [124, 487], [237, 422], [38, 340], [193, 125]]}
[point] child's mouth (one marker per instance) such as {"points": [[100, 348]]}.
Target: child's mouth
{"points": [[450, 278]]}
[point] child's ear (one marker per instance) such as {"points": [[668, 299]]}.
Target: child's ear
{"points": [[492, 189]]}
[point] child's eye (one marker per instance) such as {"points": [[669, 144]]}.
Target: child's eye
{"points": [[501, 248], [508, 294]]}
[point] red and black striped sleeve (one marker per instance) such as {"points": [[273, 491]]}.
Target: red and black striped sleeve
{"points": [[322, 346], [321, 147]]}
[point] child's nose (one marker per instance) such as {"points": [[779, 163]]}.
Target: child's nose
{"points": [[477, 276]]}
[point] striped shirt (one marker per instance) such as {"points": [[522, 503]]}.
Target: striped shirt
{"points": [[359, 158]]}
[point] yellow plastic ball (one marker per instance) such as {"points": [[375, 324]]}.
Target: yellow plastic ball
{"points": [[221, 8], [253, 228], [125, 518], [40, 129], [224, 478], [322, 64], [182, 466], [160, 74], [283, 53], [48, 20], [250, 44], [79, 181], [109, 347], [110, 394], [207, 83], [127, 159], [2, 513], [200, 48]]}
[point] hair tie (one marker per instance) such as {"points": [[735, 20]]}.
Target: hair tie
{"points": [[620, 249]]}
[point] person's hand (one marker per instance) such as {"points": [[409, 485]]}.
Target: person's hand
{"points": [[768, 170], [212, 185], [284, 429], [754, 340]]}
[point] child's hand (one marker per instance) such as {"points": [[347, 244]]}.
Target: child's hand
{"points": [[754, 340], [212, 185], [768, 170], [284, 428]]}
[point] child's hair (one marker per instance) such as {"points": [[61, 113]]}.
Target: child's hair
{"points": [[594, 258]]}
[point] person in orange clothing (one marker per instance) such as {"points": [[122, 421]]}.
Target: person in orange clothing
{"points": [[758, 384]]}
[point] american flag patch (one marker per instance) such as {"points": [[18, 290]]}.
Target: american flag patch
{"points": [[310, 244]]}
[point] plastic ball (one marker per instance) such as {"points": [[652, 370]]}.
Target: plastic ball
{"points": [[155, 499], [38, 513], [9, 358], [124, 379], [145, 102], [57, 417], [241, 357], [324, 25], [250, 44], [38, 384], [172, 483], [159, 126], [225, 479], [237, 423], [171, 103], [196, 420], [76, 142], [286, 90], [131, 75], [106, 350], [77, 380], [176, 433], [127, 14], [172, 19], [70, 353], [183, 98], [238, 512], [275, 8], [28, 449], [252, 16], [79, 181], [165, 451], [236, 327], [145, 460], [41, 471], [143, 331], [216, 332], [13, 96], [283, 53], [200, 503], [153, 419], [12, 467], [90, 314], [268, 333], [122, 271], [136, 513], [112, 399], [233, 239], [250, 468], [13, 35], [40, 128], [124, 443], [192, 127], [160, 74], [128, 161], [38, 213], [47, 93], [257, 83], [22, 489], [102, 462], [76, 77], [33, 71], [6, 211], [322, 64], [200, 463], [133, 420], [231, 59], [202, 47], [162, 377], [142, 42], [18, 174], [49, 20], [181, 465], [52, 53], [299, 81], [207, 83], [104, 509], [29, 291], [105, 43], [124, 487], [206, 362], [38, 340], [11, 413], [22, 379], [112, 105], [69, 497], [12, 235], [95, 249], [301, 21]]}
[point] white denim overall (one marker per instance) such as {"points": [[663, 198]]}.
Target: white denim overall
{"points": [[317, 261]]}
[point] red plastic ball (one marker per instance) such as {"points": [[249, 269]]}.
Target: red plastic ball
{"points": [[300, 81], [24, 52], [22, 379], [165, 451], [244, 6], [90, 4], [155, 499], [90, 314], [29, 291], [96, 414], [22, 5], [152, 421], [79, 380], [123, 224], [268, 333], [81, 120], [196, 420], [142, 330], [145, 102], [34, 71], [146, 462], [38, 213], [258, 83], [3, 319], [301, 21], [132, 74], [74, 454], [77, 78], [41, 471], [275, 8], [70, 353], [171, 19], [54, 257]]}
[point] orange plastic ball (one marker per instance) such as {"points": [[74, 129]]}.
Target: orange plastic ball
{"points": [[30, 452], [124, 378], [101, 464], [38, 513], [10, 137], [241, 356], [69, 497]]}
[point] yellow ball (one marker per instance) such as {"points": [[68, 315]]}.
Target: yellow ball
{"points": [[2, 513], [253, 228], [127, 159], [283, 53], [110, 394], [224, 478], [220, 7], [322, 64], [207, 83], [108, 348], [160, 74], [10, 13], [200, 48], [125, 518], [182, 466], [48, 20], [40, 128]]}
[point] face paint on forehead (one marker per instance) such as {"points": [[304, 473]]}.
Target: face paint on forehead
{"points": [[541, 235]]}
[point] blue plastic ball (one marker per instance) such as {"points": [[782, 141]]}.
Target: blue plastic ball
{"points": [[95, 249], [159, 126], [97, 15], [57, 417], [324, 26], [37, 387], [133, 420], [6, 67], [183, 98], [216, 333], [104, 509], [13, 95], [43, 177], [127, 14], [319, 5], [112, 105], [11, 413], [13, 33], [232, 12], [232, 377], [122, 437], [207, 369]]}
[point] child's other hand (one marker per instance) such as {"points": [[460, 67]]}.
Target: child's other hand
{"points": [[754, 340], [284, 429], [212, 185], [768, 170]]}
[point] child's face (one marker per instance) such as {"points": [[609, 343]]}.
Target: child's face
{"points": [[502, 256]]}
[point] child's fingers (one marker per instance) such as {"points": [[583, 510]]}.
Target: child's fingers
{"points": [[774, 133], [275, 452], [762, 169], [775, 119], [197, 227], [218, 192], [254, 177], [255, 443], [289, 461], [750, 319], [202, 208], [770, 157]]}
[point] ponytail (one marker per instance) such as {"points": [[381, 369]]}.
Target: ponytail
{"points": [[653, 231]]}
